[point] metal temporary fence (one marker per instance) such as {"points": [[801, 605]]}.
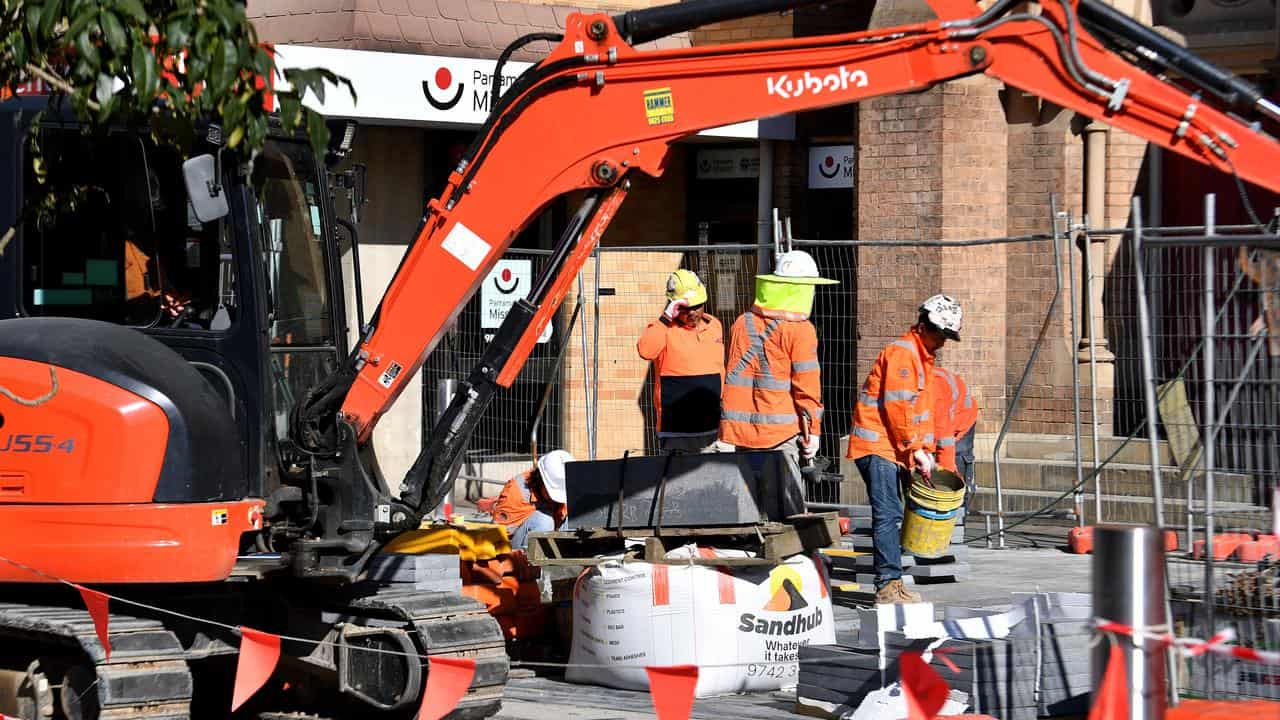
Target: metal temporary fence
{"points": [[1208, 345]]}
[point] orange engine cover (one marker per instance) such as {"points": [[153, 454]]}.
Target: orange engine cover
{"points": [[119, 463], [92, 442]]}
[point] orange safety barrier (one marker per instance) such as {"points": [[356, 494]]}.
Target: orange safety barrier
{"points": [[1225, 710]]}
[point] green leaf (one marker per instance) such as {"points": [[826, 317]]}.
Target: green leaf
{"points": [[146, 76], [114, 32], [133, 9], [290, 111], [80, 20], [230, 65], [34, 13], [103, 90], [88, 50], [176, 34], [318, 132], [49, 17]]}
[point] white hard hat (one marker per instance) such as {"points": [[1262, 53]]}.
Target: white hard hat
{"points": [[551, 469], [944, 313], [797, 267]]}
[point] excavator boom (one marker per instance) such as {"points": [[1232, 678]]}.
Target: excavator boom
{"points": [[597, 109]]}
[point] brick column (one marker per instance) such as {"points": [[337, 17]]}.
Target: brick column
{"points": [[933, 167]]}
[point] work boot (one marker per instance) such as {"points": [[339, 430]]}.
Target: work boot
{"points": [[895, 593]]}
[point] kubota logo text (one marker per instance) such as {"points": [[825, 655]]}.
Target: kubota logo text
{"points": [[788, 87]]}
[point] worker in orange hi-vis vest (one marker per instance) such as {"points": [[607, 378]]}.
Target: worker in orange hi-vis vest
{"points": [[955, 417], [533, 501], [686, 347], [893, 432], [773, 385]]}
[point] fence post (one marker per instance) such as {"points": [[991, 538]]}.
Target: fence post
{"points": [[1148, 364], [1075, 368], [1129, 588], [1210, 322]]}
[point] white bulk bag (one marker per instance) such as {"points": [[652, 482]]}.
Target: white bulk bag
{"points": [[751, 620]]}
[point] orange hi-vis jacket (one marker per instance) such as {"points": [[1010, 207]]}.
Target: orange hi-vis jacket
{"points": [[893, 415], [954, 413], [772, 377], [517, 501], [688, 368]]}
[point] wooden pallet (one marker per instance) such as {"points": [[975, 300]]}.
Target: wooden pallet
{"points": [[772, 542]]}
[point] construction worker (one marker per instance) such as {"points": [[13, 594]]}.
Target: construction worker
{"points": [[893, 432], [772, 396], [534, 500], [686, 346], [955, 417]]}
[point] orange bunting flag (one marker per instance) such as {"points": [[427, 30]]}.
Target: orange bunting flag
{"points": [[447, 681], [1110, 702], [672, 690], [926, 692], [259, 652], [96, 603]]}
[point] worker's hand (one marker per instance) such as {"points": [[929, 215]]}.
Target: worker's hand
{"points": [[673, 309], [923, 462], [809, 446]]}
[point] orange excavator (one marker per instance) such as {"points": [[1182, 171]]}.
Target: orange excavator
{"points": [[215, 464]]}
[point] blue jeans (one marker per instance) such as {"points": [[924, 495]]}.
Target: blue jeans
{"points": [[537, 522], [964, 463], [881, 477]]}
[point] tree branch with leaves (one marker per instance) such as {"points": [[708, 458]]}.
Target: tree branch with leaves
{"points": [[160, 65]]}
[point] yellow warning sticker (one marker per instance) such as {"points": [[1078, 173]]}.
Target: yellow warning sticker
{"points": [[219, 517], [659, 108]]}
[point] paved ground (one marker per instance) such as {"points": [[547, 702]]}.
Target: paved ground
{"points": [[996, 573]]}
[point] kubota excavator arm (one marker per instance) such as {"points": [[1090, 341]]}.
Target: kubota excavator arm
{"points": [[596, 110]]}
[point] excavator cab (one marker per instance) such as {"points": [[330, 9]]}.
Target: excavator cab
{"points": [[120, 282]]}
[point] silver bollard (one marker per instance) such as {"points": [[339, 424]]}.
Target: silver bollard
{"points": [[445, 390], [1129, 588]]}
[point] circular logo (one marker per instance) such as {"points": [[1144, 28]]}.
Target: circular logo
{"points": [[829, 168], [443, 80], [506, 282]]}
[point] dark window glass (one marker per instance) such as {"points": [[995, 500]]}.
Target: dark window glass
{"points": [[119, 241]]}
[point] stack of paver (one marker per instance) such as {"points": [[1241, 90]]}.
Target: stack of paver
{"points": [[437, 572], [858, 565], [1041, 669]]}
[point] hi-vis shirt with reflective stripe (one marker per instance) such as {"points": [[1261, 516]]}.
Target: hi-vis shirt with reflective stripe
{"points": [[954, 411], [893, 416], [772, 375]]}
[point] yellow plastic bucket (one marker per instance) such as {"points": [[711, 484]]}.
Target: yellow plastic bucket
{"points": [[931, 513]]}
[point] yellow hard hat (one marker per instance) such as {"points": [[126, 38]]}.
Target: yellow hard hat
{"points": [[685, 284]]}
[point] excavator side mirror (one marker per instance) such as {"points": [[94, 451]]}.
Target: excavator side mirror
{"points": [[204, 188]]}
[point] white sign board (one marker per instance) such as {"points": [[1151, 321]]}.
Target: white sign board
{"points": [[728, 163], [409, 89], [831, 166], [507, 282]]}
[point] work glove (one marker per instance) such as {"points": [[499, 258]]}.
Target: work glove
{"points": [[809, 447], [923, 462], [673, 309]]}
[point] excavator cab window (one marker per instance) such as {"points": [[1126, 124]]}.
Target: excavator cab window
{"points": [[292, 229], [109, 235]]}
